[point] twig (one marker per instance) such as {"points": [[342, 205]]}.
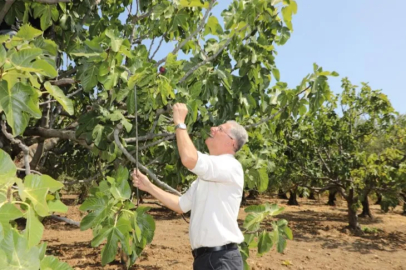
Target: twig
{"points": [[150, 46], [84, 181], [67, 73], [5, 9], [23, 147], [32, 171], [159, 46], [199, 28], [142, 167]]}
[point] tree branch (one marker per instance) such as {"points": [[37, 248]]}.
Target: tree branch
{"points": [[143, 168], [167, 138], [150, 136], [140, 17], [5, 9], [63, 81], [198, 29], [67, 220], [23, 147], [324, 162]]}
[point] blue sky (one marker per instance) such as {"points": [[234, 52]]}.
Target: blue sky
{"points": [[364, 40]]}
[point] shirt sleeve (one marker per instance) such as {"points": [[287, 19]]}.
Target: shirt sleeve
{"points": [[216, 168], [185, 201]]}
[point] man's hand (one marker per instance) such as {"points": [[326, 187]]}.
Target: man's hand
{"points": [[179, 113], [141, 181]]}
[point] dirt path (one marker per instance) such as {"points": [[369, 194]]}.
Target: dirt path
{"points": [[320, 242]]}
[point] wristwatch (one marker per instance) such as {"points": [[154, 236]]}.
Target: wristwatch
{"points": [[181, 126]]}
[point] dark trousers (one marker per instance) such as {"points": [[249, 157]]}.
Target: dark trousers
{"points": [[219, 260]]}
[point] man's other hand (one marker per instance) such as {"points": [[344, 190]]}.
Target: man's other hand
{"points": [[141, 181], [179, 113]]}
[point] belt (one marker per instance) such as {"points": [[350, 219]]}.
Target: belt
{"points": [[199, 251]]}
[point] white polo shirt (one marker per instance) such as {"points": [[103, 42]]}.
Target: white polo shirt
{"points": [[214, 199]]}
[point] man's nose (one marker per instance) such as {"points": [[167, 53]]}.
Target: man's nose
{"points": [[214, 129]]}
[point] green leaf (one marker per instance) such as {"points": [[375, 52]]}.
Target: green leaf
{"points": [[97, 134], [102, 234], [34, 228], [42, 249], [15, 102], [57, 206], [9, 212], [27, 32], [3, 55], [7, 168], [180, 19], [16, 254], [263, 180], [252, 221], [213, 27], [53, 263], [58, 94], [146, 224], [109, 251], [23, 59], [276, 74], [265, 243], [36, 188], [44, 68], [193, 3], [89, 77]]}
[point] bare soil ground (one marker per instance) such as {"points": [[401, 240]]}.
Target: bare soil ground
{"points": [[320, 240]]}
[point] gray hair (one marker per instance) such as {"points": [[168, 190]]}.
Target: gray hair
{"points": [[239, 133]]}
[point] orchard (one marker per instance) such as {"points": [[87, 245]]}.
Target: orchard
{"points": [[84, 99]]}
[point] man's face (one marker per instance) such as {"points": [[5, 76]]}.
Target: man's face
{"points": [[220, 139]]}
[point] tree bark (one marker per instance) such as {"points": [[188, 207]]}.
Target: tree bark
{"points": [[282, 195], [332, 197], [366, 211], [293, 198], [311, 196], [352, 212]]}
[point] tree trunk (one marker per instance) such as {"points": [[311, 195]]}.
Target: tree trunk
{"points": [[332, 198], [366, 211], [311, 196], [404, 208], [293, 198], [379, 198], [282, 195], [352, 213], [253, 194]]}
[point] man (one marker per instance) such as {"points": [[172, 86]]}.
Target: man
{"points": [[214, 197]]}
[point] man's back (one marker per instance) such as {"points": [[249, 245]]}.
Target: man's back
{"points": [[214, 199]]}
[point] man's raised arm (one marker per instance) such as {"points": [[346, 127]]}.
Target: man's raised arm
{"points": [[187, 150]]}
